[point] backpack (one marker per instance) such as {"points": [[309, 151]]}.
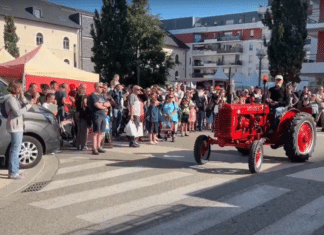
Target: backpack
{"points": [[3, 110]]}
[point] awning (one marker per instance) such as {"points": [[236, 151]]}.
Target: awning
{"points": [[220, 75]]}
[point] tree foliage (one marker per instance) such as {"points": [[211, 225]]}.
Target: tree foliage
{"points": [[127, 40], [287, 20], [111, 48], [10, 37]]}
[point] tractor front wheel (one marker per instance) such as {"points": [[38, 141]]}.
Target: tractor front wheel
{"points": [[202, 149], [256, 157], [301, 139]]}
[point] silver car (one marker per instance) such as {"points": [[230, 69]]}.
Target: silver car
{"points": [[41, 134]]}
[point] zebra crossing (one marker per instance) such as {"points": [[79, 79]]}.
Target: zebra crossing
{"points": [[167, 189]]}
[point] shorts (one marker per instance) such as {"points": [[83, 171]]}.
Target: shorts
{"points": [[184, 119], [99, 123], [152, 127]]}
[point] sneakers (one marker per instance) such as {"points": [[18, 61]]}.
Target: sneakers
{"points": [[133, 144], [100, 150], [16, 177], [95, 152]]}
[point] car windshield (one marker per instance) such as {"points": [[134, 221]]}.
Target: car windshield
{"points": [[3, 88]]}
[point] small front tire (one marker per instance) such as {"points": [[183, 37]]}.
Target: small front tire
{"points": [[202, 149], [256, 157]]}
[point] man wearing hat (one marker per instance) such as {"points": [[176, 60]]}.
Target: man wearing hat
{"points": [[278, 100]]}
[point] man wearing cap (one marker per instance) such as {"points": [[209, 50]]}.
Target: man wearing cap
{"points": [[278, 100]]}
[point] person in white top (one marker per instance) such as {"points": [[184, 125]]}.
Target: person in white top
{"points": [[50, 103]]}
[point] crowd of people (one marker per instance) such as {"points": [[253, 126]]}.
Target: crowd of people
{"points": [[111, 106]]}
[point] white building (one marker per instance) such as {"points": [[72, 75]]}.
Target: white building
{"points": [[229, 41]]}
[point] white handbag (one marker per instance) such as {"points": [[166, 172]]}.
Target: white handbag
{"points": [[131, 129]]}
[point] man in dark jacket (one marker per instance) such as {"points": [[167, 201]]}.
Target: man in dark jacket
{"points": [[278, 100], [117, 110]]}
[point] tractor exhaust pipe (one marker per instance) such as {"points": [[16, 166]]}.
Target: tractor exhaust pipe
{"points": [[230, 89]]}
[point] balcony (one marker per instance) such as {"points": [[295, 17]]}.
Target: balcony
{"points": [[204, 53], [313, 65], [212, 64], [230, 38], [231, 50]]}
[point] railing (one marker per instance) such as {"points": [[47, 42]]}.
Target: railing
{"points": [[313, 58], [197, 75], [233, 49], [230, 38]]}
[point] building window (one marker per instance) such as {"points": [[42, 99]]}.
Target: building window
{"points": [[251, 46], [67, 61], [229, 21], [39, 39], [250, 71], [240, 21], [250, 59], [189, 61], [37, 13], [308, 41], [252, 33], [177, 59], [253, 19], [176, 74], [66, 43]]}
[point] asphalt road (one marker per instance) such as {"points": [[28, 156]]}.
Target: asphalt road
{"points": [[159, 189]]}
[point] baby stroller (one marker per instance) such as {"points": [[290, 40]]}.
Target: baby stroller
{"points": [[68, 133], [167, 129]]}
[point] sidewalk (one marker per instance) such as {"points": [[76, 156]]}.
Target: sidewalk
{"points": [[45, 168]]}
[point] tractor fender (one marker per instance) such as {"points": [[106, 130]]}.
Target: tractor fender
{"points": [[286, 119]]}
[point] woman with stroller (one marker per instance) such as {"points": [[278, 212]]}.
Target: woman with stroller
{"points": [[170, 112]]}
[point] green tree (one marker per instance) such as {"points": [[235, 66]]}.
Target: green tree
{"points": [[287, 20], [151, 64], [10, 37], [111, 44]]}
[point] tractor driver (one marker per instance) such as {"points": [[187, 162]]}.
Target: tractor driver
{"points": [[278, 101]]}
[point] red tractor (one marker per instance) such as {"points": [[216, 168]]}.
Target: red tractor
{"points": [[246, 127]]}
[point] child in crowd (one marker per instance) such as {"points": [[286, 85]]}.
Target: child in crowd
{"points": [[185, 111], [152, 119], [192, 117]]}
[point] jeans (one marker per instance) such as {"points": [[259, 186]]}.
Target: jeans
{"points": [[81, 137], [60, 114], [201, 116], [116, 121], [16, 141], [277, 112]]}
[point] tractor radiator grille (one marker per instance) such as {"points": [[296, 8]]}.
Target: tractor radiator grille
{"points": [[225, 122]]}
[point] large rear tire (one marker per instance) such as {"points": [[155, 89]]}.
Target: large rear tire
{"points": [[202, 149], [256, 157], [301, 138]]}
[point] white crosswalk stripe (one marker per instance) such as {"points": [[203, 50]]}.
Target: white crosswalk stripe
{"points": [[303, 221], [156, 200], [94, 177], [316, 174], [82, 167], [210, 217], [73, 159], [74, 198]]}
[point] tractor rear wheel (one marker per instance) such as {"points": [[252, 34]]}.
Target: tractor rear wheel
{"points": [[256, 157], [202, 149], [243, 151], [301, 138]]}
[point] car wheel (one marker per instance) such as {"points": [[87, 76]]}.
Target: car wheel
{"points": [[31, 152]]}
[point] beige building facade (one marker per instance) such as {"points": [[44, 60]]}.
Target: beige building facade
{"points": [[62, 41]]}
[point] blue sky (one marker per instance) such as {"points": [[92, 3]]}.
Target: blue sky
{"points": [[169, 9]]}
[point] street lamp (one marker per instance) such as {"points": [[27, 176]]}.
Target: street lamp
{"points": [[261, 54]]}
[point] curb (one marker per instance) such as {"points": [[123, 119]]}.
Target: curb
{"points": [[46, 168]]}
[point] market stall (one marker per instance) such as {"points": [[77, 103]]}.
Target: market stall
{"points": [[42, 66]]}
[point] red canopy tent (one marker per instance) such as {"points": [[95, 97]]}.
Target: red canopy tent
{"points": [[42, 66]]}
